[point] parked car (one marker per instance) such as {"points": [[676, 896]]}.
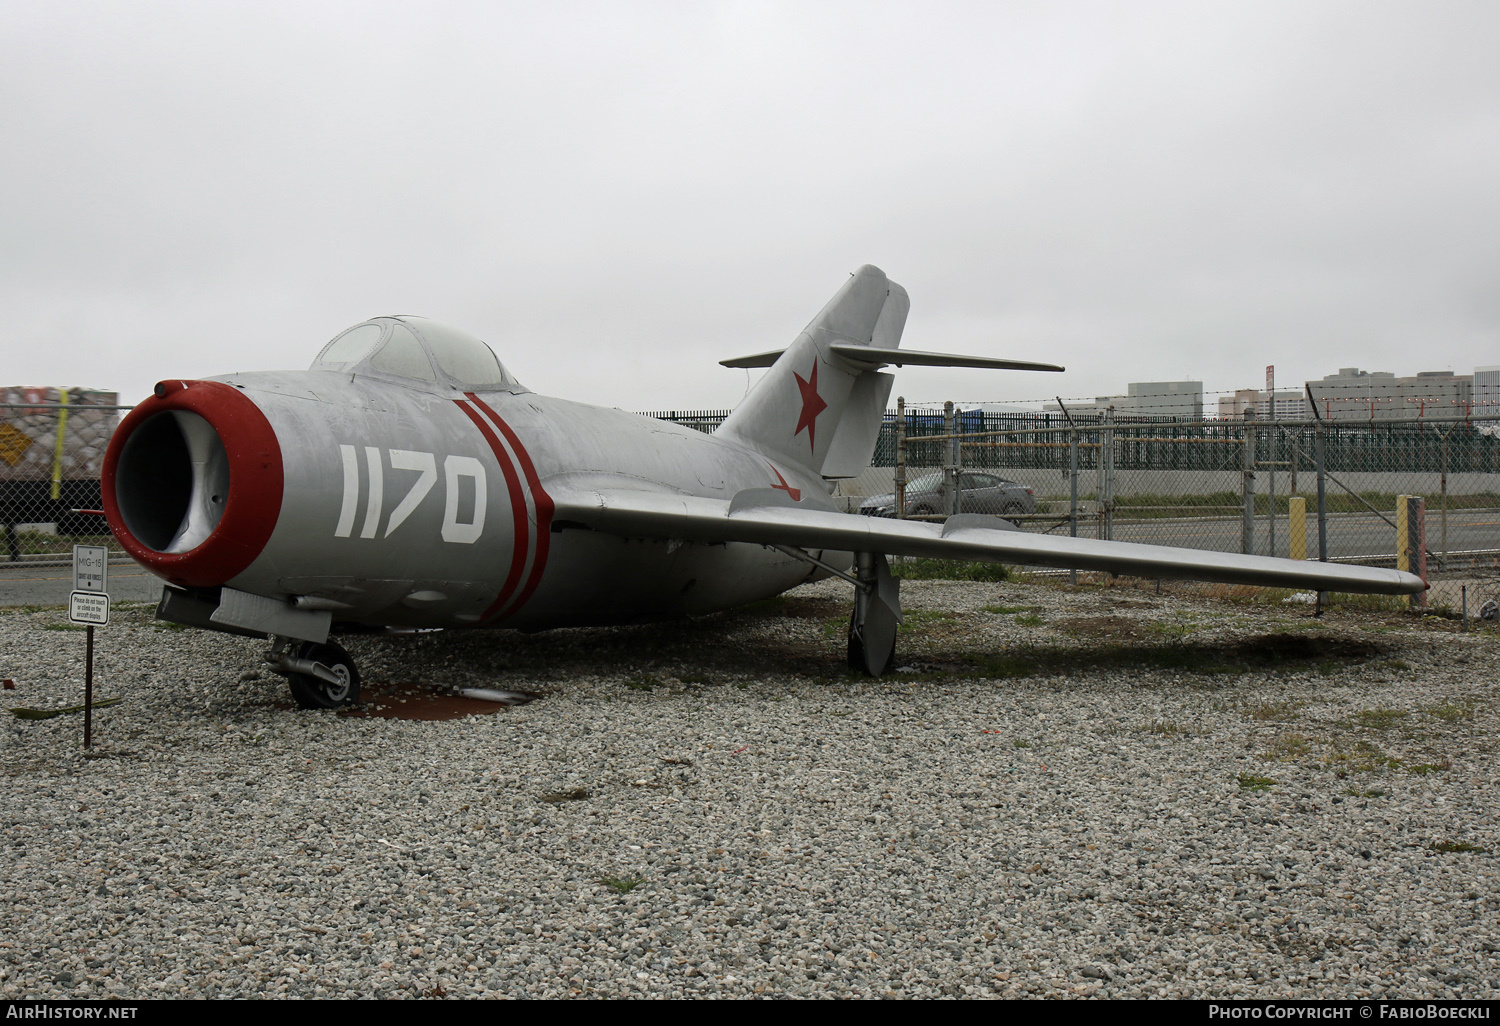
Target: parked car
{"points": [[978, 493]]}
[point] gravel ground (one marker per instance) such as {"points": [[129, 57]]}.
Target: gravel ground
{"points": [[1061, 792]]}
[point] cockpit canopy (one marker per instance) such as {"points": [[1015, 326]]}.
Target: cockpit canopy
{"points": [[419, 351]]}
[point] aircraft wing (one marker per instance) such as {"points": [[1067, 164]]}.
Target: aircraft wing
{"points": [[769, 517]]}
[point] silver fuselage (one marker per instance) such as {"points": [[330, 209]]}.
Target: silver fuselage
{"points": [[411, 508]]}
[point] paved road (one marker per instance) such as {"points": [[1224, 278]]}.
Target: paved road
{"points": [[28, 585]]}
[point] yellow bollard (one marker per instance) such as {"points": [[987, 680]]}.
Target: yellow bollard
{"points": [[1296, 523]]}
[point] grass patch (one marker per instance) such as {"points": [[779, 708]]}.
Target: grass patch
{"points": [[1368, 793], [1289, 748], [1378, 719], [644, 682], [1280, 711], [622, 884], [949, 570], [1009, 610], [64, 627], [1364, 757], [1421, 769], [1457, 846], [1169, 728], [1370, 603], [1175, 629], [1030, 619], [1450, 712], [1270, 651], [1251, 783]]}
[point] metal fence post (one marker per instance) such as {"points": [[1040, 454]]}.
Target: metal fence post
{"points": [[900, 481], [1322, 494], [1107, 460], [1271, 498], [950, 465], [1444, 485], [1247, 484]]}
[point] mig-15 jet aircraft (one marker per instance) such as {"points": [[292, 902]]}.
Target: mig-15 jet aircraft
{"points": [[408, 480]]}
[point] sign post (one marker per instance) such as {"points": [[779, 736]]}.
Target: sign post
{"points": [[89, 605]]}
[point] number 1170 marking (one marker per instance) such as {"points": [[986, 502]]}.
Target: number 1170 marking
{"points": [[424, 464]]}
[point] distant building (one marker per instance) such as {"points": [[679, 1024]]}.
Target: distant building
{"points": [[1487, 390], [1353, 394], [1233, 407], [1290, 405], [1182, 399], [1164, 399]]}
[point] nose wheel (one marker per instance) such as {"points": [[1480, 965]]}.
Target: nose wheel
{"points": [[321, 675]]}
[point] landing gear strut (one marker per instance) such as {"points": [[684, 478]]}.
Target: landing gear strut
{"points": [[877, 612]]}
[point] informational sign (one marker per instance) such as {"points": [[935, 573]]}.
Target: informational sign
{"points": [[88, 607], [91, 568], [89, 602]]}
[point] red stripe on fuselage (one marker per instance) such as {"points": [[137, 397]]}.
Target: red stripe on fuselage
{"points": [[539, 497], [521, 542]]}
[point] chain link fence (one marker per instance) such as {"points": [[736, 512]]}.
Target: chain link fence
{"points": [[1244, 484], [52, 444], [1303, 489]]}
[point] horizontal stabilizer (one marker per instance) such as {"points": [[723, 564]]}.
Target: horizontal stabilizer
{"points": [[635, 514], [765, 359], [870, 357]]}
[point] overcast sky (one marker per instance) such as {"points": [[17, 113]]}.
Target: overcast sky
{"points": [[618, 195]]}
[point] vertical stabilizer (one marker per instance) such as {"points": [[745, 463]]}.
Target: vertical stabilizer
{"points": [[814, 407]]}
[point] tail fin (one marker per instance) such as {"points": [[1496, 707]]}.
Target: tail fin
{"points": [[818, 408]]}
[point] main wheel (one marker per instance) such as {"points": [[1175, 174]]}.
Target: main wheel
{"points": [[312, 692], [873, 650], [923, 511], [1011, 508]]}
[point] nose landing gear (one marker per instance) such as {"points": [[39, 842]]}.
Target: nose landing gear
{"points": [[321, 676]]}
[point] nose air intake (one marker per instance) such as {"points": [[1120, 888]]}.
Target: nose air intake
{"points": [[174, 482], [193, 482]]}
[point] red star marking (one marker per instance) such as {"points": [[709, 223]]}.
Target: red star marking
{"points": [[812, 405], [795, 493]]}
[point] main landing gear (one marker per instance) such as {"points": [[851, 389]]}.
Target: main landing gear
{"points": [[877, 613], [877, 608], [320, 675]]}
